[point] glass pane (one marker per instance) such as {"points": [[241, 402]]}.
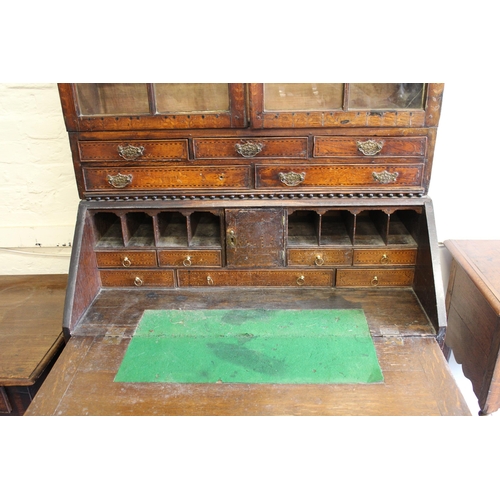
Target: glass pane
{"points": [[112, 98], [303, 96], [386, 96], [173, 98]]}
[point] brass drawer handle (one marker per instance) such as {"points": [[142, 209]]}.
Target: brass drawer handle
{"points": [[126, 262], [249, 149], [319, 261], [370, 147], [210, 281], [187, 261], [301, 280], [138, 281], [374, 281], [130, 152], [292, 178], [385, 177], [384, 259], [119, 181]]}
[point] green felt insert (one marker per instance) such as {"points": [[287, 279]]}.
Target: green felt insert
{"points": [[252, 346]]}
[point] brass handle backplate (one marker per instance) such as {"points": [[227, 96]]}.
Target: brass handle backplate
{"points": [[292, 178], [370, 147], [119, 181], [130, 152], [385, 177], [249, 149]]}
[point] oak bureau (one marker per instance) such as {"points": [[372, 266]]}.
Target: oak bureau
{"points": [[250, 196]]}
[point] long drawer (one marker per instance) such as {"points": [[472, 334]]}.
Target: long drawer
{"points": [[171, 177], [352, 175], [256, 278], [261, 147], [369, 146], [374, 277], [124, 151]]}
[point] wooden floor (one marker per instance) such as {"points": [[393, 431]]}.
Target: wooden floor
{"points": [[417, 379]]}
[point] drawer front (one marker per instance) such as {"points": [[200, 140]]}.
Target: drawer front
{"points": [[125, 151], [145, 178], [319, 257], [256, 278], [251, 147], [374, 277], [369, 146], [305, 176], [385, 257], [189, 258], [137, 278], [126, 259]]}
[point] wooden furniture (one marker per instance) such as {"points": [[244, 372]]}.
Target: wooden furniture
{"points": [[473, 305], [31, 309], [216, 195]]}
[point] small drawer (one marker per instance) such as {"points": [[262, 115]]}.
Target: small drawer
{"points": [[328, 147], [148, 178], [276, 278], [126, 259], [319, 257], [264, 147], [125, 151], [189, 258], [344, 176], [137, 278], [385, 257], [374, 277]]}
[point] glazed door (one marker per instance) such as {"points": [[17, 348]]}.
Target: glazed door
{"points": [[303, 105], [255, 237], [135, 106]]}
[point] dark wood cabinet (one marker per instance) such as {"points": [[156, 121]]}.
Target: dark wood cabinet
{"points": [[221, 190]]}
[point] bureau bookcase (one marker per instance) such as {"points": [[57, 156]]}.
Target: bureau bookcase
{"points": [[254, 195]]}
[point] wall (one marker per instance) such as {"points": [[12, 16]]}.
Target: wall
{"points": [[38, 196]]}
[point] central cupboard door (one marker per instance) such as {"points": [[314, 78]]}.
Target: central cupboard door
{"points": [[255, 237]]}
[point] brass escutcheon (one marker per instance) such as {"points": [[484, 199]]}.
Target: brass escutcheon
{"points": [[130, 152], [119, 181], [370, 147], [249, 149], [291, 178], [126, 262], [231, 238]]}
